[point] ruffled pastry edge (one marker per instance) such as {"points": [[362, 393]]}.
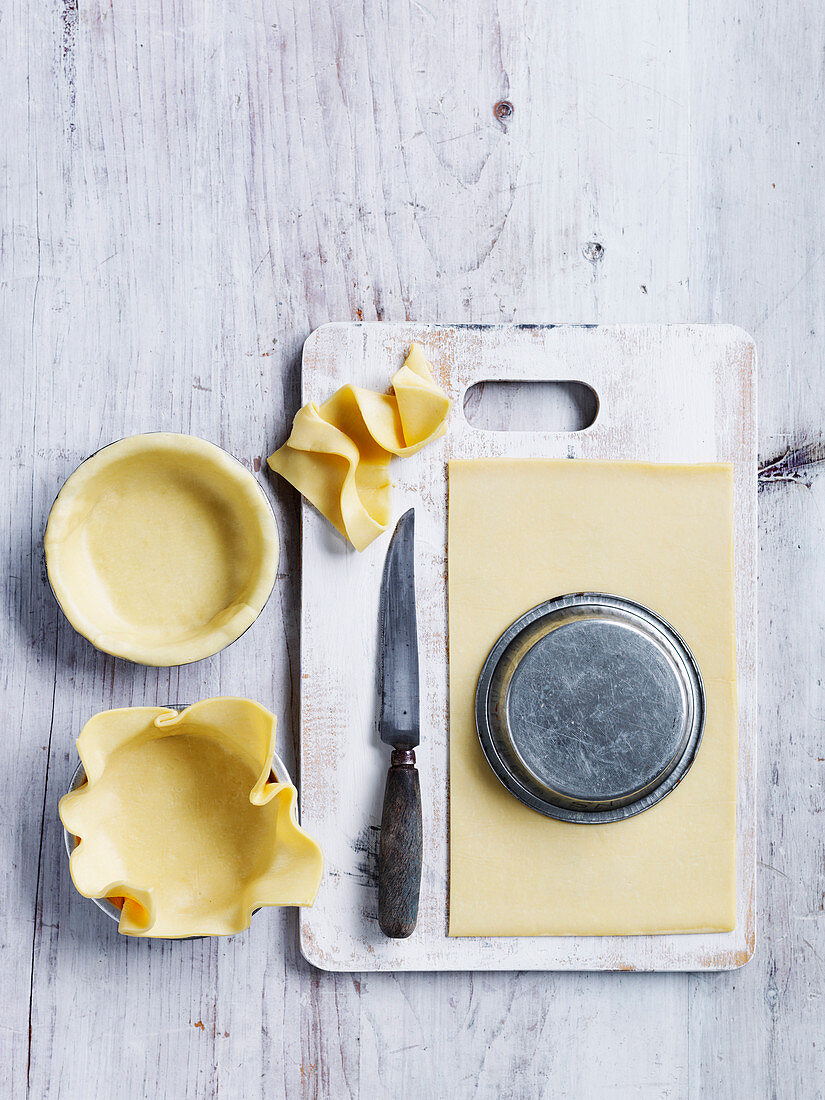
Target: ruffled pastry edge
{"points": [[139, 917], [312, 434]]}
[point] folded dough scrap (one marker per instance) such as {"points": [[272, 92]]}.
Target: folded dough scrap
{"points": [[182, 820], [338, 454]]}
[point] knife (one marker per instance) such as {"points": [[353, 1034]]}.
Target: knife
{"points": [[400, 847]]}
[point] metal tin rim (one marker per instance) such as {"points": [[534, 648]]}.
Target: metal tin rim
{"points": [[532, 796], [71, 842]]}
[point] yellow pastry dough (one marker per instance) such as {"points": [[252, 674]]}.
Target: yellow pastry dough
{"points": [[183, 819], [338, 454], [521, 532], [162, 549]]}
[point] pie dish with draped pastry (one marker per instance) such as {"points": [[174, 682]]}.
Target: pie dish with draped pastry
{"points": [[187, 820]]}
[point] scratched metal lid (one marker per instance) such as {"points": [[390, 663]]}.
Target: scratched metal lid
{"points": [[590, 708]]}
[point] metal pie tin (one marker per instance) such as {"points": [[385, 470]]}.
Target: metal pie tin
{"points": [[83, 623], [590, 708]]}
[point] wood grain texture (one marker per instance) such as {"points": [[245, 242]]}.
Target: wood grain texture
{"points": [[189, 189], [400, 851]]}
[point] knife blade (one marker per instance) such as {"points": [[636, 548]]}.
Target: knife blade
{"points": [[401, 842], [398, 722]]}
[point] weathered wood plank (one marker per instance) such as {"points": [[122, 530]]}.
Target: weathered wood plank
{"points": [[757, 259], [191, 189]]}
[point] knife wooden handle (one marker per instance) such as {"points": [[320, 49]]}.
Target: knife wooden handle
{"points": [[399, 850]]}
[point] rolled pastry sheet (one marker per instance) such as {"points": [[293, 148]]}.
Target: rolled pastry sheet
{"points": [[520, 532], [338, 453]]}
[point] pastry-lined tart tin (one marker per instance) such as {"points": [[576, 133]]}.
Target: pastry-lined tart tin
{"points": [[161, 549], [79, 779], [590, 708], [182, 821]]}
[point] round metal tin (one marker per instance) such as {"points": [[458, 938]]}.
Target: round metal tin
{"points": [[590, 708]]}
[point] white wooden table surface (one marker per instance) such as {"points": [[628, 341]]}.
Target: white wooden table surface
{"points": [[189, 188]]}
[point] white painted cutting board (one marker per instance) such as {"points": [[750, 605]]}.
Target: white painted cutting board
{"points": [[675, 393]]}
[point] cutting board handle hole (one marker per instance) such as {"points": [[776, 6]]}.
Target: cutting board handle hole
{"points": [[536, 405]]}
